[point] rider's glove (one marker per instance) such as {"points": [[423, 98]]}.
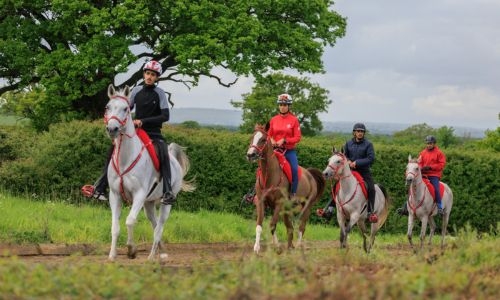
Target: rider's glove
{"points": [[426, 168]]}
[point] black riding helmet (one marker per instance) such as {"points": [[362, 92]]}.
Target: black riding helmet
{"points": [[359, 126], [430, 139]]}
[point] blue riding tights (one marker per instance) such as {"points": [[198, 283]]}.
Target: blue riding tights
{"points": [[435, 183], [291, 157]]}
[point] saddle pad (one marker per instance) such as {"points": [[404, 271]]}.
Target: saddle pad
{"points": [[431, 188], [148, 143], [285, 166], [359, 178]]}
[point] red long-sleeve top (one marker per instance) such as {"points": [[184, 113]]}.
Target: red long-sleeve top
{"points": [[285, 126], [433, 158]]}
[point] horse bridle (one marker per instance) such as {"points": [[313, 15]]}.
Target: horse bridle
{"points": [[123, 121], [260, 150]]}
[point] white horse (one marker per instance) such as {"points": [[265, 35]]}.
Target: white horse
{"points": [[421, 204], [132, 177], [352, 204]]}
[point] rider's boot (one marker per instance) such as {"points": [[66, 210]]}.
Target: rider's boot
{"points": [[372, 217], [440, 208], [168, 197], [403, 210]]}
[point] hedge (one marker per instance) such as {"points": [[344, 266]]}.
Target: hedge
{"points": [[58, 162]]}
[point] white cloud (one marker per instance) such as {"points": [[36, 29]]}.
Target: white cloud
{"points": [[470, 106]]}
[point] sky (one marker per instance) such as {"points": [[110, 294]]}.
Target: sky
{"points": [[411, 62]]}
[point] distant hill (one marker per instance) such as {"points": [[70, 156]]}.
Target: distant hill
{"points": [[232, 118]]}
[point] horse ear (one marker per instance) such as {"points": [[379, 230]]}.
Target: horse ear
{"points": [[342, 150], [111, 90], [267, 126], [126, 91], [334, 150], [409, 157]]}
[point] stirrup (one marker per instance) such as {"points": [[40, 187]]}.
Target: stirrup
{"points": [[372, 218], [90, 191]]}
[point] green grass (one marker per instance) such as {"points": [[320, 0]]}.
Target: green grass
{"points": [[468, 269]]}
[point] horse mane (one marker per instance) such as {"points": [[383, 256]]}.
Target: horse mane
{"points": [[413, 160]]}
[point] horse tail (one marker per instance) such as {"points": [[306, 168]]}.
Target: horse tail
{"points": [[181, 156], [320, 181], [385, 212]]}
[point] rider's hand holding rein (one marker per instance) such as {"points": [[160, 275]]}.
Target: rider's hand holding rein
{"points": [[137, 123]]}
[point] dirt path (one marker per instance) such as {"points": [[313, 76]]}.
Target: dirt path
{"points": [[179, 255]]}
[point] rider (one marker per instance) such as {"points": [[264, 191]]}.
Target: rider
{"points": [[431, 162], [361, 156], [284, 131], [151, 111]]}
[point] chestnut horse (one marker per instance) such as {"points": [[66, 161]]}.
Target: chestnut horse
{"points": [[272, 186]]}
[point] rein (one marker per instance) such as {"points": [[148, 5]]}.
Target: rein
{"points": [[412, 193], [335, 170], [262, 157], [118, 146]]}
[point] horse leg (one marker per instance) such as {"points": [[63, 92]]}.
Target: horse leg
{"points": [[410, 230], [115, 205], [289, 230], [444, 226], [423, 230], [274, 220], [149, 209], [432, 229], [302, 226], [137, 204], [362, 229], [259, 209], [158, 230]]}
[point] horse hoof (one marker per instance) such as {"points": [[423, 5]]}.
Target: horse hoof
{"points": [[132, 252]]}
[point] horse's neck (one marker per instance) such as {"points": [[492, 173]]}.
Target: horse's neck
{"points": [[127, 146], [271, 166], [347, 181], [418, 188]]}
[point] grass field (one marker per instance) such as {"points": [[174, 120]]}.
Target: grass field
{"points": [[469, 267]]}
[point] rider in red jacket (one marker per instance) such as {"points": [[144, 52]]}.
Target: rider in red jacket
{"points": [[431, 162]]}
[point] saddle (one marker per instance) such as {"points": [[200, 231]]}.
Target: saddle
{"points": [[285, 166], [431, 188], [361, 181], [148, 143]]}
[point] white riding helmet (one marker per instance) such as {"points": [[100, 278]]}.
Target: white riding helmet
{"points": [[154, 66], [284, 99]]}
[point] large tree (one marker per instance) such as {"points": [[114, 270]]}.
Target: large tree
{"points": [[309, 99], [75, 48]]}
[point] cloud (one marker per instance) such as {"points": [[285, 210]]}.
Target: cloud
{"points": [[472, 106]]}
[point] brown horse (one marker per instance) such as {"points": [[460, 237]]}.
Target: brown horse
{"points": [[272, 185]]}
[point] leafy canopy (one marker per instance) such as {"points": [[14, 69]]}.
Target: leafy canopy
{"points": [[260, 106], [75, 48]]}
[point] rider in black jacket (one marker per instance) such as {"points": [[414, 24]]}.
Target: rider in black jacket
{"points": [[151, 111]]}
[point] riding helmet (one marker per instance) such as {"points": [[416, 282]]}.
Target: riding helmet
{"points": [[284, 99], [430, 139], [154, 66], [359, 126]]}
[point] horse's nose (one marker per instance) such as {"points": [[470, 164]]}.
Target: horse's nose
{"points": [[408, 181], [112, 130], [251, 156]]}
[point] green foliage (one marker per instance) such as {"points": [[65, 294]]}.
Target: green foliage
{"points": [[60, 161], [309, 99], [75, 48], [491, 141]]}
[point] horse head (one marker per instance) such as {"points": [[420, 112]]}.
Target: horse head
{"points": [[336, 165], [117, 112], [257, 144], [412, 170]]}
